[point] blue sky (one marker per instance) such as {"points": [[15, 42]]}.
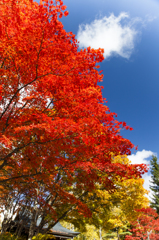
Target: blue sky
{"points": [[129, 33]]}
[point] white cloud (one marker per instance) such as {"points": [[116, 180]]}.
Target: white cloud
{"points": [[147, 179], [140, 157], [115, 34], [150, 18]]}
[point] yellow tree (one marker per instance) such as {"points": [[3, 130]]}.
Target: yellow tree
{"points": [[112, 209]]}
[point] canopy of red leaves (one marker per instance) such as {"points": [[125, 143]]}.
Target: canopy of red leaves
{"points": [[52, 114], [146, 225]]}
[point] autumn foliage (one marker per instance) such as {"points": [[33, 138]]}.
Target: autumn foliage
{"points": [[115, 209], [146, 226], [56, 131]]}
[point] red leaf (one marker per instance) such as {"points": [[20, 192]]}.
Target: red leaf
{"points": [[66, 13]]}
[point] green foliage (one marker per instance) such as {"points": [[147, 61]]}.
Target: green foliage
{"points": [[155, 183], [114, 234], [125, 233], [43, 237], [110, 235]]}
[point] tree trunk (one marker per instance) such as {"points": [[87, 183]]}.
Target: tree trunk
{"points": [[19, 230], [118, 234], [148, 234], [100, 233], [32, 226], [5, 224]]}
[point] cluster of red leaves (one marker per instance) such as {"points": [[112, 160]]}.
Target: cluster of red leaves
{"points": [[146, 225], [52, 113]]}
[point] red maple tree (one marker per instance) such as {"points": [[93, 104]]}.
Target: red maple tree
{"points": [[54, 125], [146, 226]]}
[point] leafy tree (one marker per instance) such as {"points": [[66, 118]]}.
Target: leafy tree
{"points": [[119, 235], [90, 232], [109, 209], [57, 136], [146, 226], [52, 110], [155, 183], [112, 210]]}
